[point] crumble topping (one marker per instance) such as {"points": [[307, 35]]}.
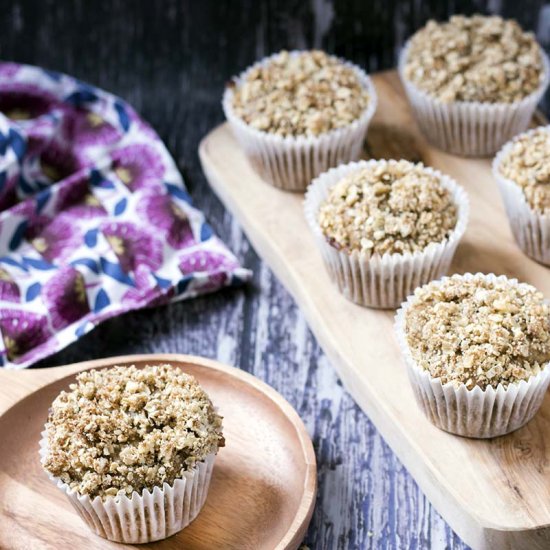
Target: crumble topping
{"points": [[395, 207], [479, 332], [308, 93], [528, 164], [478, 58], [125, 429]]}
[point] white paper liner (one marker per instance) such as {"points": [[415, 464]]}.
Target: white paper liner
{"points": [[472, 413], [382, 281], [290, 163], [531, 229], [147, 517], [471, 128]]}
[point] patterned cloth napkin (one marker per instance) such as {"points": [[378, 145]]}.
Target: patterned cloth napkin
{"points": [[94, 216]]}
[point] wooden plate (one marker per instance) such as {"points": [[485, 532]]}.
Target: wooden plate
{"points": [[494, 494], [264, 482]]}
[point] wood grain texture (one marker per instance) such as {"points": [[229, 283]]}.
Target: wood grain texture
{"points": [[494, 493], [263, 486], [170, 59]]}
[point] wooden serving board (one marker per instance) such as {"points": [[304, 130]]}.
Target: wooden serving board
{"points": [[494, 494], [263, 486]]}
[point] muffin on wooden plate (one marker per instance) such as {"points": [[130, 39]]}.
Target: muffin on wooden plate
{"points": [[477, 349], [473, 82], [133, 450], [297, 114], [385, 227], [522, 172]]}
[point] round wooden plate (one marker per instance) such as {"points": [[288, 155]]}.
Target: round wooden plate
{"points": [[263, 487]]}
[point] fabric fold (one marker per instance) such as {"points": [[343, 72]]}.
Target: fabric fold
{"points": [[95, 218]]}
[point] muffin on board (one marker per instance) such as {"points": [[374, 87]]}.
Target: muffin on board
{"points": [[385, 227], [133, 450], [473, 82], [299, 113], [522, 172], [477, 349]]}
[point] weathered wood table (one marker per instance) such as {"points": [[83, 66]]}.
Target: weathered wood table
{"points": [[170, 60]]}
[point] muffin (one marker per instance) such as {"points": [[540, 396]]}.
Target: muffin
{"points": [[385, 227], [133, 450], [522, 172], [296, 114], [477, 349], [473, 82]]}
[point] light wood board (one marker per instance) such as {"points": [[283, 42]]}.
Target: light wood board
{"points": [[263, 486], [494, 494]]}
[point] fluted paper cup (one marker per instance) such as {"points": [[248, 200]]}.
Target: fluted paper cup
{"points": [[474, 413], [291, 162], [471, 128], [146, 517], [382, 281], [530, 228]]}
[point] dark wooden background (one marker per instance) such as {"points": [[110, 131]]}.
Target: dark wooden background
{"points": [[170, 59]]}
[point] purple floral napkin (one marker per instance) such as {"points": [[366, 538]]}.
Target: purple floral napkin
{"points": [[94, 216]]}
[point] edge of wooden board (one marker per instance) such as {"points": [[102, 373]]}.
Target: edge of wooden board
{"points": [[476, 530]]}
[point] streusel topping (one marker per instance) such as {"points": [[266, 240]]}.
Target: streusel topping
{"points": [[486, 59], [395, 207], [125, 429], [308, 93], [528, 164], [479, 332]]}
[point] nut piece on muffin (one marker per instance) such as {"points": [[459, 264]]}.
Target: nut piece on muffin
{"points": [[392, 208], [527, 163], [477, 350], [479, 58], [133, 450], [479, 332], [309, 93]]}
